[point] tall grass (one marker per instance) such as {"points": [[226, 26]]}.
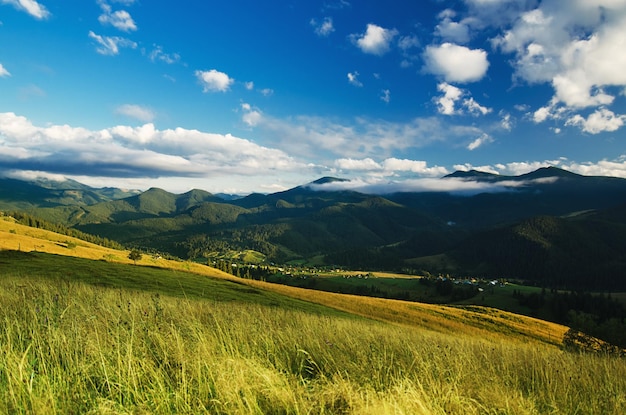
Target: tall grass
{"points": [[68, 347]]}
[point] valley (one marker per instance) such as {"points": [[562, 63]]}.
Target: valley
{"points": [[163, 336]]}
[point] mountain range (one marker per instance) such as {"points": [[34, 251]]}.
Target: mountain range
{"points": [[550, 226]]}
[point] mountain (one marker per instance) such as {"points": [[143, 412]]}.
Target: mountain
{"points": [[473, 175], [583, 252], [546, 191], [20, 194], [550, 226]]}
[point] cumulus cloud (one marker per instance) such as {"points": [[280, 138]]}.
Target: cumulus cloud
{"points": [[110, 45], [251, 116], [451, 31], [353, 79], [456, 63], [3, 71], [214, 81], [599, 121], [348, 164], [32, 7], [124, 151], [453, 96], [389, 167], [577, 49], [324, 27], [119, 19], [137, 112], [376, 40]]}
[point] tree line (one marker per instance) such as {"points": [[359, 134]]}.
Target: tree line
{"points": [[34, 222]]}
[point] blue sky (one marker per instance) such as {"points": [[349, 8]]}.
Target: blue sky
{"points": [[241, 96]]}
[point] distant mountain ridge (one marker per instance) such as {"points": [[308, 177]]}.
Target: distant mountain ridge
{"points": [[541, 173], [48, 193], [397, 231]]}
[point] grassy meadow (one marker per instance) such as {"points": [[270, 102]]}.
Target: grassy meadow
{"points": [[98, 336]]}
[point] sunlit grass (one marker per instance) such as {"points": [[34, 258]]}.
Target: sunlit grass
{"points": [[479, 321], [97, 337], [74, 348]]}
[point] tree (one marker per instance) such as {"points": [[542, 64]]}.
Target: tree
{"points": [[134, 256]]}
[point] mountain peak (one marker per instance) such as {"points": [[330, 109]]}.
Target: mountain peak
{"points": [[328, 179], [550, 171], [470, 174]]}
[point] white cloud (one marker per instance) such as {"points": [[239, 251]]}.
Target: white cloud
{"points": [[451, 31], [376, 40], [506, 122], [323, 28], [456, 63], [599, 121], [134, 152], [3, 71], [388, 167], [249, 85], [32, 7], [353, 79], [496, 13], [119, 19], [541, 114], [385, 96], [378, 185], [446, 103], [319, 138], [158, 54], [612, 168], [367, 164], [266, 92], [251, 117], [414, 166], [408, 42], [452, 95], [474, 107], [576, 48], [214, 81], [480, 141], [137, 112], [110, 45]]}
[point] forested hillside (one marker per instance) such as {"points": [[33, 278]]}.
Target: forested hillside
{"points": [[551, 227]]}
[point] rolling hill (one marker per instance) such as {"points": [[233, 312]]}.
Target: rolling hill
{"points": [[547, 225], [101, 335]]}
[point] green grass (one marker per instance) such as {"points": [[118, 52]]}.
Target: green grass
{"points": [[64, 270], [80, 336]]}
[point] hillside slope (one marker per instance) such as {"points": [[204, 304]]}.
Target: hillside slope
{"points": [[479, 321]]}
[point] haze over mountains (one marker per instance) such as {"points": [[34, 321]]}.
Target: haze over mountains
{"points": [[551, 226]]}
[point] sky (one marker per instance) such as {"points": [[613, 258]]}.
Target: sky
{"points": [[245, 96]]}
